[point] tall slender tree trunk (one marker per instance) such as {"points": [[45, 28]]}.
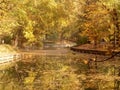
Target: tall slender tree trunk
{"points": [[115, 21], [16, 41]]}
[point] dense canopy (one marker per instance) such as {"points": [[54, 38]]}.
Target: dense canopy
{"points": [[29, 22]]}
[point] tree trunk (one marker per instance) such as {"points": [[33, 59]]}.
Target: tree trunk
{"points": [[16, 41]]}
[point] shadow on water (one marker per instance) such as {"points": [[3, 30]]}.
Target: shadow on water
{"points": [[59, 73]]}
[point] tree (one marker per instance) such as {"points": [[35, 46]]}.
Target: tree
{"points": [[95, 21], [113, 7], [7, 23]]}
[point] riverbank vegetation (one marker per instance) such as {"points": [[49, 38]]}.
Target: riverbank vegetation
{"points": [[30, 23], [7, 49]]}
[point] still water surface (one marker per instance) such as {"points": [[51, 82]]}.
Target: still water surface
{"points": [[65, 72]]}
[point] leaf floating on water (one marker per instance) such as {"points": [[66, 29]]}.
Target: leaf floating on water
{"points": [[93, 59], [85, 61]]}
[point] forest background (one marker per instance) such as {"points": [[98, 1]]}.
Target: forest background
{"points": [[31, 22]]}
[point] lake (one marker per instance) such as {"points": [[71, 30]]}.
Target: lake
{"points": [[61, 72]]}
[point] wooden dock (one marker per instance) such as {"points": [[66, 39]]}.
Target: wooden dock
{"points": [[94, 51]]}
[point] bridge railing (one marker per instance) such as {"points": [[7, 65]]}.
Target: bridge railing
{"points": [[5, 58], [9, 58]]}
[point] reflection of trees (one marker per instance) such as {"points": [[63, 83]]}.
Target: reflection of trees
{"points": [[41, 74], [61, 73], [117, 82]]}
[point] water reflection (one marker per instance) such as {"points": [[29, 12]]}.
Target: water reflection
{"points": [[59, 73]]}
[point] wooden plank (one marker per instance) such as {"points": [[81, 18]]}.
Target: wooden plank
{"points": [[92, 51]]}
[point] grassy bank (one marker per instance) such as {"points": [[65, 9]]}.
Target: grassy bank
{"points": [[6, 49]]}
